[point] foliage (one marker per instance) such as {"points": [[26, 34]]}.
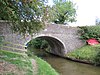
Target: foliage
{"points": [[38, 52], [87, 53], [44, 68], [25, 15], [38, 47], [38, 43], [88, 32], [62, 12]]}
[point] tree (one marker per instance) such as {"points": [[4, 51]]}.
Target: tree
{"points": [[25, 15], [63, 11]]}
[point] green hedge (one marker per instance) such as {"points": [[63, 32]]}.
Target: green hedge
{"points": [[88, 32]]}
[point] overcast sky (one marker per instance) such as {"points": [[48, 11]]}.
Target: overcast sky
{"points": [[87, 11]]}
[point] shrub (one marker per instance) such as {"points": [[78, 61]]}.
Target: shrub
{"points": [[88, 32], [38, 43], [38, 47]]}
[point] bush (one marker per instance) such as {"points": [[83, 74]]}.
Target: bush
{"points": [[38, 47], [88, 32], [38, 43]]}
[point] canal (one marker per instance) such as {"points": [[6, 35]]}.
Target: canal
{"points": [[64, 66], [67, 67]]}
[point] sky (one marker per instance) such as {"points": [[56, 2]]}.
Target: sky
{"points": [[87, 11]]}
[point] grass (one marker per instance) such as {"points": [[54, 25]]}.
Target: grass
{"points": [[22, 62], [24, 65], [44, 68], [85, 53]]}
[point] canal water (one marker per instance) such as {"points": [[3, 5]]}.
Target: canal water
{"points": [[67, 67]]}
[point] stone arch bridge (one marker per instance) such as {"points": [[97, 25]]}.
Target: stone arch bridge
{"points": [[62, 39]]}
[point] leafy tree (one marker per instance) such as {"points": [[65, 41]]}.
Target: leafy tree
{"points": [[63, 11], [26, 16]]}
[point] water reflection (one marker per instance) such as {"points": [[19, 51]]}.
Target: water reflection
{"points": [[66, 67]]}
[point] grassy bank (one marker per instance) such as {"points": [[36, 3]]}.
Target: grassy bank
{"points": [[44, 68], [87, 53], [18, 64]]}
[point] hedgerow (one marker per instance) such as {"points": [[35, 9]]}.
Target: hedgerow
{"points": [[88, 32]]}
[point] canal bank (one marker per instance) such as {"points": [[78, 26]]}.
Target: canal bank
{"points": [[67, 67], [64, 66]]}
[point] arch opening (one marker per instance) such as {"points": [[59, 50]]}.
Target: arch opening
{"points": [[56, 46]]}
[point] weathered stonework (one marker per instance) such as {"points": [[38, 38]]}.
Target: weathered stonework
{"points": [[62, 39], [13, 42]]}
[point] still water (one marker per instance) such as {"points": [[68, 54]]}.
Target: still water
{"points": [[67, 67]]}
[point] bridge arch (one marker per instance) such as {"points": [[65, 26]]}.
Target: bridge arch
{"points": [[56, 45], [63, 38]]}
